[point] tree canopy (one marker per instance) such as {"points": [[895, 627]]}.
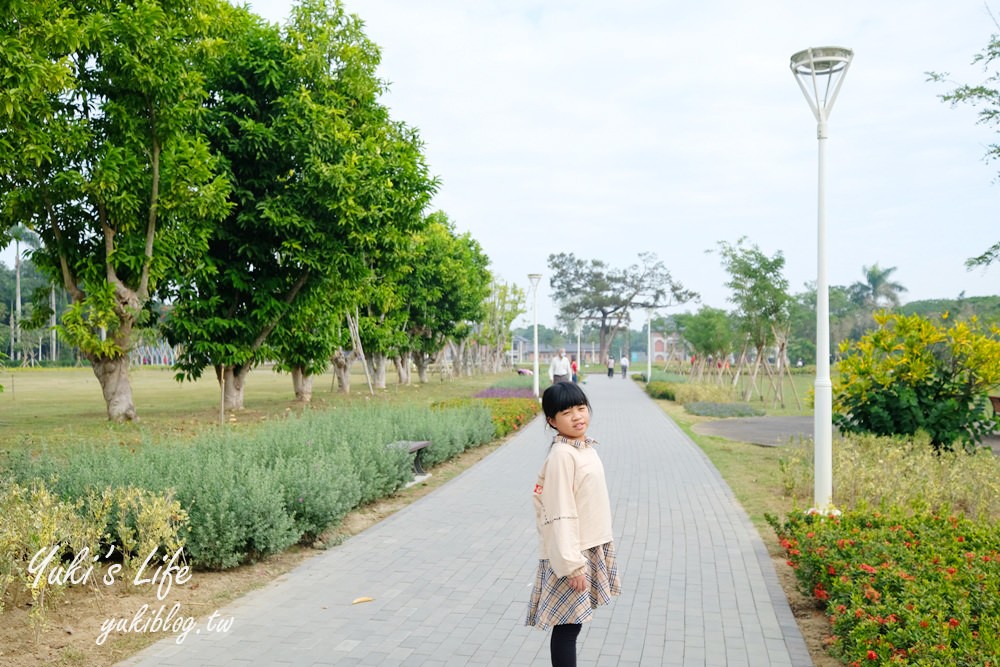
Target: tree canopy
{"points": [[984, 96], [592, 291], [327, 189], [101, 156]]}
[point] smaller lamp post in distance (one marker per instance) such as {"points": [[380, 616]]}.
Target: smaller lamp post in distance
{"points": [[534, 278], [649, 344], [579, 359]]}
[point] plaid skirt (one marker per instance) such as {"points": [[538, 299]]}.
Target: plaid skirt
{"points": [[553, 602]]}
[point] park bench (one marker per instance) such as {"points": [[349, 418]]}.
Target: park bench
{"points": [[415, 447], [995, 400]]}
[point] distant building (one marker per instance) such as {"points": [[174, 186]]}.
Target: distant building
{"points": [[666, 346]]}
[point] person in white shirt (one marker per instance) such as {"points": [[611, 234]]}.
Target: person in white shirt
{"points": [[559, 369], [624, 363]]}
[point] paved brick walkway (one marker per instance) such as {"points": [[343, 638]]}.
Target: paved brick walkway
{"points": [[450, 574]]}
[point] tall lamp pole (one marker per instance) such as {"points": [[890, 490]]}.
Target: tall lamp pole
{"points": [[579, 359], [649, 344], [534, 278], [820, 73]]}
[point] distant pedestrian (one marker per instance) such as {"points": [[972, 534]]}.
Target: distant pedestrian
{"points": [[574, 368], [559, 368], [577, 571], [611, 366], [624, 363]]}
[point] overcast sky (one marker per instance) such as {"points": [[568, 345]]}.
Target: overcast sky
{"points": [[608, 129]]}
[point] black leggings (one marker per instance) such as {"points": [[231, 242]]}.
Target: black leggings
{"points": [[564, 644]]}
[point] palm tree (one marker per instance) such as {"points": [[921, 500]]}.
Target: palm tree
{"points": [[877, 291]]}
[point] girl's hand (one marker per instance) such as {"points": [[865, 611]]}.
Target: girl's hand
{"points": [[578, 583]]}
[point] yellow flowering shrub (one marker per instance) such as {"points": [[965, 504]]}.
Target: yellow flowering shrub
{"points": [[912, 374], [41, 532]]}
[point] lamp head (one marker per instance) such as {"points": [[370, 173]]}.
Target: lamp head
{"points": [[820, 71], [822, 61]]}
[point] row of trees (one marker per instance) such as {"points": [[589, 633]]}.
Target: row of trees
{"points": [[237, 183], [765, 314]]}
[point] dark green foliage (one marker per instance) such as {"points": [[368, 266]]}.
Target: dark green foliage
{"points": [[912, 374]]}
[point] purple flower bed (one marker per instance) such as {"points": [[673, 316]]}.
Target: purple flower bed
{"points": [[499, 392]]}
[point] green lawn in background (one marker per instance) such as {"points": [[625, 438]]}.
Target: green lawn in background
{"points": [[61, 406]]}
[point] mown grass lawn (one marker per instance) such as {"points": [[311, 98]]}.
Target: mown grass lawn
{"points": [[63, 406]]}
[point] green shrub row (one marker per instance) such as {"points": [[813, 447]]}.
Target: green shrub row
{"points": [[249, 494], [710, 409]]}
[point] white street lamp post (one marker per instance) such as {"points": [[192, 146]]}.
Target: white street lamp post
{"points": [[579, 359], [534, 278], [820, 73], [649, 344]]}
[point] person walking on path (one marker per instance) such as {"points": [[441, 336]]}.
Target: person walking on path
{"points": [[559, 367], [611, 366], [574, 368], [577, 571], [624, 363]]}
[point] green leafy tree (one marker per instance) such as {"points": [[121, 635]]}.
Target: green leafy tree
{"points": [[445, 291], [503, 305], [802, 321], [100, 155], [760, 294], [709, 333], [327, 190], [985, 97], [604, 296], [912, 374]]}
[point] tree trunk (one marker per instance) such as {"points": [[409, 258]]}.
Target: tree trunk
{"points": [[456, 359], [402, 364], [303, 385], [342, 370], [112, 374], [235, 378], [376, 364], [753, 377], [422, 361]]}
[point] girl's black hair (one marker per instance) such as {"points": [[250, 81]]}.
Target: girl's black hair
{"points": [[562, 396]]}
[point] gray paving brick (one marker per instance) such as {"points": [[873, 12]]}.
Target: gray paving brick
{"points": [[450, 574]]}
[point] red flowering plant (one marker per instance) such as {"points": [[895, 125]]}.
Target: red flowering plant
{"points": [[901, 588]]}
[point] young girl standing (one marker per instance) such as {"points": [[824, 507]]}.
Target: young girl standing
{"points": [[577, 570]]}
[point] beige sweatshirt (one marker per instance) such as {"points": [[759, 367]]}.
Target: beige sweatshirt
{"points": [[572, 508]]}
